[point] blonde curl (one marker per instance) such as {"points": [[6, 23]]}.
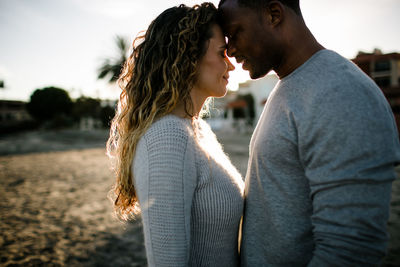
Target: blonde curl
{"points": [[159, 73]]}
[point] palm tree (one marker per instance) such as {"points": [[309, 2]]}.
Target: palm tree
{"points": [[111, 68]]}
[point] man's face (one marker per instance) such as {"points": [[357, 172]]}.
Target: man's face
{"points": [[251, 39]]}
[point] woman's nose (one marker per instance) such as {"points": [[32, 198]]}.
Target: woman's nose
{"points": [[229, 63]]}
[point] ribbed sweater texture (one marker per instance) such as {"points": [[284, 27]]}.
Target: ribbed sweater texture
{"points": [[321, 165], [190, 195]]}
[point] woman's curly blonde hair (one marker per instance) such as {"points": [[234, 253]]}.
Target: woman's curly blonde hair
{"points": [[160, 72]]}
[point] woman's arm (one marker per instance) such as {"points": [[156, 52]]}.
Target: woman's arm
{"points": [[165, 179]]}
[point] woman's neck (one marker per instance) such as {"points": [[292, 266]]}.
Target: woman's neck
{"points": [[197, 100], [180, 110]]}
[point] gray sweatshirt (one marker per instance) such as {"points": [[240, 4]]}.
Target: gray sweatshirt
{"points": [[318, 186], [191, 196]]}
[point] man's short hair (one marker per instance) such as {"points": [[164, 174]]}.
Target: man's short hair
{"points": [[257, 4]]}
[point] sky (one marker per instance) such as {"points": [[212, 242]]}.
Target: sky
{"points": [[62, 43]]}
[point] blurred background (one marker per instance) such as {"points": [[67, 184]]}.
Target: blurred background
{"points": [[59, 60], [62, 43]]}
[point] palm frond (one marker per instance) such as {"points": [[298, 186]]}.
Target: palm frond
{"points": [[111, 68]]}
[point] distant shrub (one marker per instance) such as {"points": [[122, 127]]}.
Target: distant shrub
{"points": [[48, 103], [86, 107], [106, 115]]}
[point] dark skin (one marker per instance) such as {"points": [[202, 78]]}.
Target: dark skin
{"points": [[270, 38]]}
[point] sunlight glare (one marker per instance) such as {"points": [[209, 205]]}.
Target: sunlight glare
{"points": [[237, 76]]}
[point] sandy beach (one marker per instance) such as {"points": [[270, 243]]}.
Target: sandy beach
{"points": [[55, 211]]}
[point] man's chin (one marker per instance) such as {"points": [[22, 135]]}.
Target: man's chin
{"points": [[254, 74]]}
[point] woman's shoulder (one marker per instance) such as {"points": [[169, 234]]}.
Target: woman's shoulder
{"points": [[169, 129], [168, 140]]}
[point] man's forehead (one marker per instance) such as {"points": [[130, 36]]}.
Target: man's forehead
{"points": [[228, 4], [230, 13], [230, 9]]}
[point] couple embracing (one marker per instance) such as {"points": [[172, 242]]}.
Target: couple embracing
{"points": [[322, 156]]}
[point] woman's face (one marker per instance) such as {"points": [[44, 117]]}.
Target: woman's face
{"points": [[214, 67]]}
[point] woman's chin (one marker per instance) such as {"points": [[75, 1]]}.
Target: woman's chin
{"points": [[222, 93]]}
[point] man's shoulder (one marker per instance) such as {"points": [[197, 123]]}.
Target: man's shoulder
{"points": [[332, 69], [324, 67], [327, 74], [330, 85]]}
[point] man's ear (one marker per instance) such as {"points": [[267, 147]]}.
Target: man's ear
{"points": [[275, 12]]}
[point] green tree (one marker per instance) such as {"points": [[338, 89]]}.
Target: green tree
{"points": [[49, 103], [106, 115], [86, 107], [111, 68]]}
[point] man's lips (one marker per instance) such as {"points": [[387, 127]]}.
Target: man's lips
{"points": [[243, 61], [240, 59]]}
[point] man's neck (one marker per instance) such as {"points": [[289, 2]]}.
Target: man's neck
{"points": [[300, 47]]}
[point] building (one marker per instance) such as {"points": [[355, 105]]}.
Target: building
{"points": [[240, 110], [260, 90], [13, 111], [384, 69], [218, 118], [13, 116]]}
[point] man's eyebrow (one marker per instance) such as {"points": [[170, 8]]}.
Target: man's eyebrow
{"points": [[225, 46]]}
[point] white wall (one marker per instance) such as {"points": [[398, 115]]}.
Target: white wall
{"points": [[260, 89]]}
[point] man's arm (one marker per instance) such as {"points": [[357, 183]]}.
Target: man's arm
{"points": [[349, 153]]}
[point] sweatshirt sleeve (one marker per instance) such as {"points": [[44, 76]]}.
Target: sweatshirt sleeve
{"points": [[165, 179], [349, 148]]}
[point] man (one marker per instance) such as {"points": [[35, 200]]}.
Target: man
{"points": [[322, 155]]}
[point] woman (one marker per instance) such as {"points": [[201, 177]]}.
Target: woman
{"points": [[168, 162]]}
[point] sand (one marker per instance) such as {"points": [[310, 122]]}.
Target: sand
{"points": [[55, 211]]}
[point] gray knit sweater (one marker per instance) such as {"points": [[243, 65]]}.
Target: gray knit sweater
{"points": [[191, 196], [320, 171]]}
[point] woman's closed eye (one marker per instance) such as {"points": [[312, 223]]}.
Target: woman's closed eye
{"points": [[222, 52]]}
